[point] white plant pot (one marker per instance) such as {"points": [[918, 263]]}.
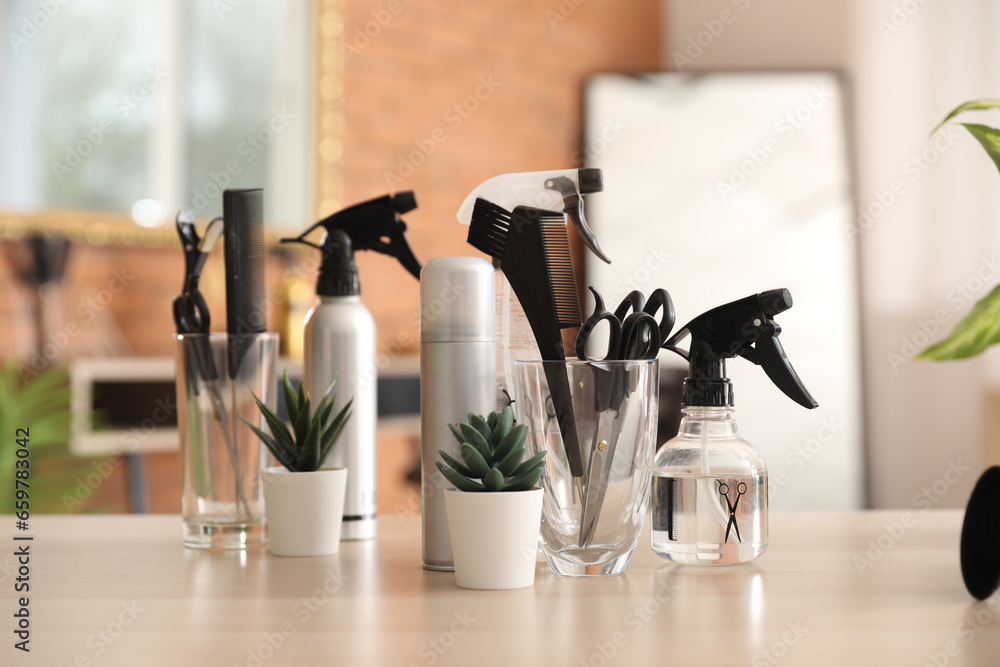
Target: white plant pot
{"points": [[494, 537], [304, 510]]}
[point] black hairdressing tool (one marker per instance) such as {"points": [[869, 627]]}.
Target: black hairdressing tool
{"points": [[190, 310], [533, 250], [246, 314], [636, 335]]}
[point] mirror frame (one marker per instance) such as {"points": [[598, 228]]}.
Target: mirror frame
{"points": [[117, 228]]}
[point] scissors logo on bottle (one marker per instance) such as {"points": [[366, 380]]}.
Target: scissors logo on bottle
{"points": [[741, 488]]}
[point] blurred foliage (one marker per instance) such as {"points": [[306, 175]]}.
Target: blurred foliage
{"points": [[40, 402]]}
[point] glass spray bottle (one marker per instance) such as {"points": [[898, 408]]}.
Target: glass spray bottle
{"points": [[709, 484]]}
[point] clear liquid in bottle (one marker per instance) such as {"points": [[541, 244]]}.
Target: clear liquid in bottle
{"points": [[709, 519]]}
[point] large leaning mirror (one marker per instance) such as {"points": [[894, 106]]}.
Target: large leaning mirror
{"points": [[116, 113], [721, 185]]}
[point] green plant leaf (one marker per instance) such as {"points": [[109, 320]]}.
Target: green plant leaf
{"points": [[474, 459], [493, 481], [974, 333], [457, 433], [279, 453], [505, 421], [478, 423], [455, 465], [301, 395], [461, 483], [332, 434], [514, 439], [476, 439], [491, 421], [301, 425], [291, 400], [309, 449], [536, 461], [988, 137], [524, 481], [509, 463], [974, 105], [279, 430]]}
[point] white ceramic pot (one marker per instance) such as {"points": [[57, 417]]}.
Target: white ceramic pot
{"points": [[494, 537], [304, 510]]}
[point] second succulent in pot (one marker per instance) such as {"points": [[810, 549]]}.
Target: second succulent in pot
{"points": [[493, 452]]}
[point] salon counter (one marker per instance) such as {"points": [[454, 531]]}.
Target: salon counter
{"points": [[872, 588]]}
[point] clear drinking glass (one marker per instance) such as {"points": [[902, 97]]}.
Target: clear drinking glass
{"points": [[222, 501], [591, 523]]}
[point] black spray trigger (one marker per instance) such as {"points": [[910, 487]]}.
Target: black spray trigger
{"points": [[772, 358]]}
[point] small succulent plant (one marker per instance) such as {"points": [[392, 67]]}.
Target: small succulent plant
{"points": [[493, 451], [305, 446]]}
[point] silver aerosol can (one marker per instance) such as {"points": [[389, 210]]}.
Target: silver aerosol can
{"points": [[457, 376], [340, 341]]}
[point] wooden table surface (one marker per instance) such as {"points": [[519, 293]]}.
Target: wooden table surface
{"points": [[873, 588]]}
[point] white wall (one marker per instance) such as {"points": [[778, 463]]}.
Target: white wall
{"points": [[922, 245]]}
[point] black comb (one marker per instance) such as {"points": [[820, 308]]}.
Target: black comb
{"points": [[246, 315], [544, 284]]}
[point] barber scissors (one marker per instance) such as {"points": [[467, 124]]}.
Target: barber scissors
{"points": [[741, 488], [635, 335], [190, 310], [631, 335]]}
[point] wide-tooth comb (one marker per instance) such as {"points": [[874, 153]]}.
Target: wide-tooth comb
{"points": [[243, 212]]}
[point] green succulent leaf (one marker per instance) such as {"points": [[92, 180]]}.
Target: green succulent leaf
{"points": [[457, 466], [493, 481], [480, 424], [476, 439], [504, 422], [332, 433], [474, 459], [512, 441], [525, 481], [291, 400], [309, 454], [302, 395], [457, 433], [988, 137], [536, 461], [461, 483], [281, 437], [279, 452], [301, 425], [974, 105], [974, 333], [491, 421], [510, 462]]}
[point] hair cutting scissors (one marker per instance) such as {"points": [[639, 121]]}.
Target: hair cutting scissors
{"points": [[634, 335], [190, 310]]}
